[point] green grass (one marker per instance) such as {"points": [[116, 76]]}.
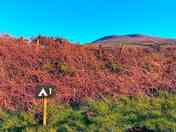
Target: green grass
{"points": [[157, 113]]}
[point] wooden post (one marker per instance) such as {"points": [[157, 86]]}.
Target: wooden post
{"points": [[100, 51], [45, 100], [38, 44]]}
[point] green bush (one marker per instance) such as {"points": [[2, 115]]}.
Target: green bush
{"points": [[58, 68], [63, 68], [157, 113], [47, 67], [114, 67]]}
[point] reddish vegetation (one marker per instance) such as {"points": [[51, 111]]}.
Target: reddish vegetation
{"points": [[81, 71]]}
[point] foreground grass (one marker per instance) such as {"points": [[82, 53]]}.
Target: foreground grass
{"points": [[155, 114]]}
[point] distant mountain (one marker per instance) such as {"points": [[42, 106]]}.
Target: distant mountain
{"points": [[5, 36], [133, 38]]}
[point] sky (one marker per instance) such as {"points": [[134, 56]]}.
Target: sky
{"points": [[87, 20]]}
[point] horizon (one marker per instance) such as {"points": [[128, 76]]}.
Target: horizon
{"points": [[116, 35], [86, 21]]}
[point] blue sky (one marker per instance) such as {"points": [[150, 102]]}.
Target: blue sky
{"points": [[87, 20]]}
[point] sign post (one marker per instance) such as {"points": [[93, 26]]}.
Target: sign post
{"points": [[45, 101], [44, 92]]}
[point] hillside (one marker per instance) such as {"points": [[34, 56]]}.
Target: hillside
{"points": [[135, 39], [80, 70]]}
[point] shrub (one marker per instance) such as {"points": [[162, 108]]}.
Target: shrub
{"points": [[147, 66], [63, 68], [47, 67], [114, 67], [58, 68], [66, 69], [157, 113]]}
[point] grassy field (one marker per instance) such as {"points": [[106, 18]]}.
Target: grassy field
{"points": [[156, 113]]}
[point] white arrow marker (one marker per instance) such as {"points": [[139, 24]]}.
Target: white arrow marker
{"points": [[42, 93]]}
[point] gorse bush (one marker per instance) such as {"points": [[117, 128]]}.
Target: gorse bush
{"points": [[152, 114]]}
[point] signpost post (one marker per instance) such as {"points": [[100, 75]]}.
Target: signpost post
{"points": [[45, 101], [44, 92]]}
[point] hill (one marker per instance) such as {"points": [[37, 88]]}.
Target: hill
{"points": [[135, 39], [80, 71]]}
